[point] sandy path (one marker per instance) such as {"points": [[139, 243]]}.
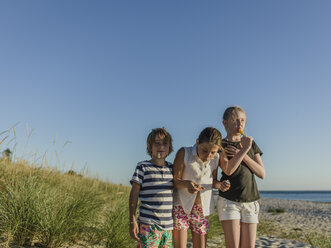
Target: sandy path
{"points": [[308, 216]]}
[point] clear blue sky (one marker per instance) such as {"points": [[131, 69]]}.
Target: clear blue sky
{"points": [[102, 74]]}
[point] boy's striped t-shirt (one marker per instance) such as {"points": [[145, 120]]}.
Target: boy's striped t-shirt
{"points": [[156, 188]]}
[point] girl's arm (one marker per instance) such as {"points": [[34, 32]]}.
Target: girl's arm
{"points": [[178, 174], [256, 165], [223, 186], [232, 165], [134, 194], [216, 183]]}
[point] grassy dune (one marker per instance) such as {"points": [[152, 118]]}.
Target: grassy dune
{"points": [[43, 207], [46, 208]]}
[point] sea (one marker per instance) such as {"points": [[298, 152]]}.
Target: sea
{"points": [[316, 196]]}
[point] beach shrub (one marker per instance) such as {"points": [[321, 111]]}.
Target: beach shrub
{"points": [[318, 240], [276, 210], [266, 227], [313, 238]]}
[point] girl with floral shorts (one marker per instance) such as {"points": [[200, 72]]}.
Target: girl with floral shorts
{"points": [[195, 174]]}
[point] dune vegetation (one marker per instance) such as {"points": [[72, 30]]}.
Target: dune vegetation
{"points": [[43, 207], [47, 208]]}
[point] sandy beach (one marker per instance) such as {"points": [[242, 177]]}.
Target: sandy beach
{"points": [[308, 216], [304, 215]]}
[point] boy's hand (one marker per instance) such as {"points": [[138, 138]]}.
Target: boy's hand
{"points": [[139, 245], [134, 230]]}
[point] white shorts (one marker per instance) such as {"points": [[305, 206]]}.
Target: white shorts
{"points": [[246, 212]]}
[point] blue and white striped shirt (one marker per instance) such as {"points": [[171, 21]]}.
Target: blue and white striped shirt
{"points": [[156, 188]]}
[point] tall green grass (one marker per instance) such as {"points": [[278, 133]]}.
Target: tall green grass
{"points": [[44, 207], [47, 208]]}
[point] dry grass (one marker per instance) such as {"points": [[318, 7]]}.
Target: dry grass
{"points": [[52, 209]]}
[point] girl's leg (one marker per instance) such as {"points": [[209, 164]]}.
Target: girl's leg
{"points": [[248, 235], [199, 227], [231, 230], [249, 224], [199, 240], [180, 238]]}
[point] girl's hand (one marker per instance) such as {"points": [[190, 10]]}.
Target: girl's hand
{"points": [[231, 150], [194, 187], [246, 142], [225, 185]]}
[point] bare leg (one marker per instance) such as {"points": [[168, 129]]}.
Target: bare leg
{"points": [[180, 238], [199, 241], [231, 230], [248, 235]]}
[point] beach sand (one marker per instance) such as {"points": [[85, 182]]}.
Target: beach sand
{"points": [[308, 216], [305, 215]]}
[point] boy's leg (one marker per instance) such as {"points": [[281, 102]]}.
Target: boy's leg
{"points": [[149, 236], [166, 239]]}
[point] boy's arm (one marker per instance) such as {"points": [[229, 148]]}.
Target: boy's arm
{"points": [[178, 174], [133, 201]]}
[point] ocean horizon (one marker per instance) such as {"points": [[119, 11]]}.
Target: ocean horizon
{"points": [[302, 195]]}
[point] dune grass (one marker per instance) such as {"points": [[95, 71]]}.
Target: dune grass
{"points": [[47, 208]]}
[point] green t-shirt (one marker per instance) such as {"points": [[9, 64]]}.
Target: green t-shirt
{"points": [[243, 185]]}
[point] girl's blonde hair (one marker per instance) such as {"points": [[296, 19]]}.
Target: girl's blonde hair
{"points": [[162, 134], [230, 112]]}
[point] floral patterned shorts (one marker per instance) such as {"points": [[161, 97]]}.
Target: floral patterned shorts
{"points": [[196, 221], [152, 236]]}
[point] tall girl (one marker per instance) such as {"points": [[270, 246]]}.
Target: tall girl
{"points": [[195, 174], [238, 207]]}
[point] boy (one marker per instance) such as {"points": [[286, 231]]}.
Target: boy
{"points": [[152, 182]]}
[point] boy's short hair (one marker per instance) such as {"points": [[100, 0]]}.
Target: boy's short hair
{"points": [[162, 134], [210, 135]]}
